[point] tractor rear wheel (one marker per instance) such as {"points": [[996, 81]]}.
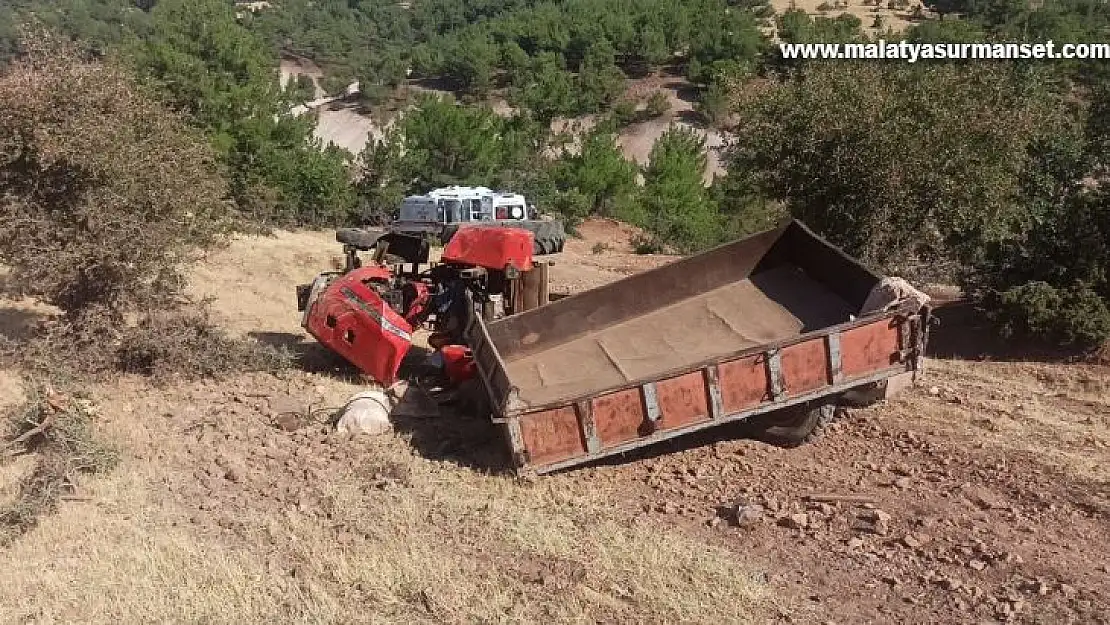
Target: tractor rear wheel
{"points": [[796, 425]]}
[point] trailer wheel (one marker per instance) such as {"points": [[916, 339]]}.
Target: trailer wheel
{"points": [[796, 425]]}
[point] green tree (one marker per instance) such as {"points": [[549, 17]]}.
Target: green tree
{"points": [[599, 172], [1053, 281], [600, 81], [653, 47], [222, 77], [896, 162], [440, 142], [675, 207], [471, 62], [545, 88]]}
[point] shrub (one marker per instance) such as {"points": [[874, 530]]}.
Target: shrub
{"points": [[187, 345], [108, 195], [58, 430], [624, 112], [658, 104], [1070, 316], [646, 244], [104, 193]]}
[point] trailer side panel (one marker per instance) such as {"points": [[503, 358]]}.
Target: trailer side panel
{"points": [[804, 370]]}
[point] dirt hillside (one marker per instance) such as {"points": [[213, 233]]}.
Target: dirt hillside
{"points": [[987, 499]]}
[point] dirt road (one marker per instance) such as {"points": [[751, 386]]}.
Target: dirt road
{"points": [[981, 496]]}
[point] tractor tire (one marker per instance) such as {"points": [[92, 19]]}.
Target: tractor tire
{"points": [[448, 233], [549, 237], [796, 425], [359, 238]]}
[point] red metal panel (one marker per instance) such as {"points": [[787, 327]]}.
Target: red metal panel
{"points": [[352, 320], [869, 348], [490, 247], [682, 400], [551, 435], [618, 416], [743, 383], [805, 366]]}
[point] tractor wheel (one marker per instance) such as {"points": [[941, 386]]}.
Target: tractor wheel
{"points": [[796, 425], [359, 238], [549, 237]]}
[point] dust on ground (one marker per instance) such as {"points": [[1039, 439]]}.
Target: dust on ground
{"points": [[980, 496]]}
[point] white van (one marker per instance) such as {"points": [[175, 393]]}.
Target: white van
{"points": [[429, 213]]}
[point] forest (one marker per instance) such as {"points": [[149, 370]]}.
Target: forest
{"points": [[991, 175]]}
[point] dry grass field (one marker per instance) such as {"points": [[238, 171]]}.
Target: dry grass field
{"points": [[992, 476]]}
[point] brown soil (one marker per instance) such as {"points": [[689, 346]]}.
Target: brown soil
{"points": [[233, 502]]}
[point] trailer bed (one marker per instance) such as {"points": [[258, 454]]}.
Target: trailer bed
{"points": [[750, 327], [775, 305]]}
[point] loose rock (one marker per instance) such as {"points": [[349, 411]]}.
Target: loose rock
{"points": [[794, 521], [748, 515]]}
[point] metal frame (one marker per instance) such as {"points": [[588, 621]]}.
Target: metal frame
{"points": [[712, 377], [524, 468], [504, 410], [832, 345], [585, 413]]}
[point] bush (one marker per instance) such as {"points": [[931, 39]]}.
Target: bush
{"points": [[824, 7], [58, 430], [104, 193], [897, 162], [624, 112], [108, 195], [715, 104], [658, 104], [647, 244], [187, 345], [1070, 316]]}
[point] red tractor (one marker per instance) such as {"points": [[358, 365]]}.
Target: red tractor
{"points": [[368, 313]]}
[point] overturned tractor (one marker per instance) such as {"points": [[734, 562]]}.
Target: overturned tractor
{"points": [[367, 313]]}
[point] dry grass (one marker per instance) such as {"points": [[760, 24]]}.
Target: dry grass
{"points": [[389, 537], [253, 281], [55, 430], [398, 539], [370, 531], [1060, 413]]}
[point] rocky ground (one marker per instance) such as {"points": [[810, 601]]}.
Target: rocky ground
{"points": [[980, 496]]}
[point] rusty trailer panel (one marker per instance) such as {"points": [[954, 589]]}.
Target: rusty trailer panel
{"points": [[751, 327]]}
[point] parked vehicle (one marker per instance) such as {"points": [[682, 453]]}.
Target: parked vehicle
{"points": [[772, 329], [440, 213]]}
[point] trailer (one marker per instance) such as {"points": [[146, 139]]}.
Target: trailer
{"points": [[779, 325]]}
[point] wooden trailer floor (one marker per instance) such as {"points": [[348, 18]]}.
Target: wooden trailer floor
{"points": [[768, 307]]}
